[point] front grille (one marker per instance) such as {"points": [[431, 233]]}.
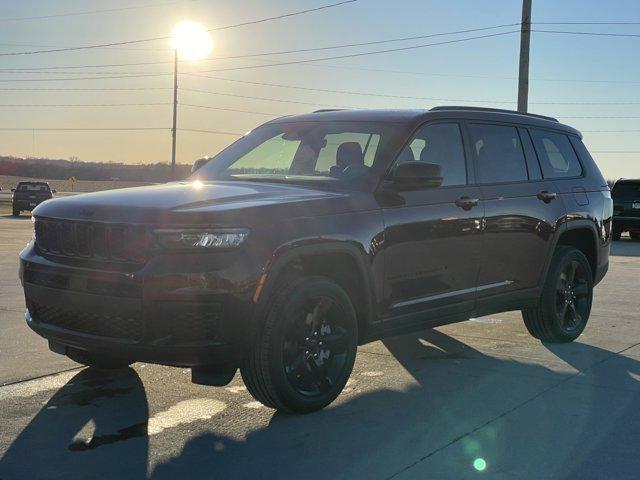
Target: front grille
{"points": [[96, 286], [92, 240], [125, 327]]}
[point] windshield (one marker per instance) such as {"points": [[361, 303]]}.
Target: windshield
{"points": [[300, 152]]}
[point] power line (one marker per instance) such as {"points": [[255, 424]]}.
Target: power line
{"points": [[361, 54], [597, 34], [209, 131], [270, 114], [81, 129], [165, 37], [73, 89], [348, 92], [87, 12], [585, 23], [262, 54], [110, 129], [108, 77], [251, 97], [284, 15], [83, 104]]}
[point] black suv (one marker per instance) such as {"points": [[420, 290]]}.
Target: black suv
{"points": [[313, 234], [28, 195], [626, 208]]}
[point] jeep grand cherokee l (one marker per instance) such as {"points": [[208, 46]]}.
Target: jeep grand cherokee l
{"points": [[315, 233]]}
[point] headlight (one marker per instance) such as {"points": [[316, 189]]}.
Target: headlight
{"points": [[201, 239]]}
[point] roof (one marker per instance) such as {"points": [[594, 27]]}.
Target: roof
{"points": [[412, 116]]}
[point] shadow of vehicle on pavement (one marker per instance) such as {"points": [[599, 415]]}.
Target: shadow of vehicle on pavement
{"points": [[452, 412]]}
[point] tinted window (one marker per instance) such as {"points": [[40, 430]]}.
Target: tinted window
{"points": [[327, 156], [557, 157], [626, 190], [499, 153], [33, 187], [442, 144]]}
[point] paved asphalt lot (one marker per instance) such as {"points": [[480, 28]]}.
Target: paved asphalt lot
{"points": [[477, 399]]}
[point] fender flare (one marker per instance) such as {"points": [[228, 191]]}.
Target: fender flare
{"points": [[284, 256], [562, 229]]}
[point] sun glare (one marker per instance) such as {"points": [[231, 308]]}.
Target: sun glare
{"points": [[192, 40]]}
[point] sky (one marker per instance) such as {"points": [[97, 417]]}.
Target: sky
{"points": [[579, 79]]}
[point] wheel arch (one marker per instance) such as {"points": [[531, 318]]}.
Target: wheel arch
{"points": [[581, 234], [346, 264]]}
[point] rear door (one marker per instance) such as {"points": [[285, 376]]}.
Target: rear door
{"points": [[433, 235], [522, 210]]}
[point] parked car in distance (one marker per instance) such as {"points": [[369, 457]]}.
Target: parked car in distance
{"points": [[316, 233], [626, 208], [28, 195]]}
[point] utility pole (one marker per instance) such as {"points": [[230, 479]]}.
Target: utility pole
{"points": [[525, 41], [175, 115]]}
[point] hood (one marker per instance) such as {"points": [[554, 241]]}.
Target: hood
{"points": [[182, 203]]}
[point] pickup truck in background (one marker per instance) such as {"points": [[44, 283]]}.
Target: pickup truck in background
{"points": [[28, 195]]}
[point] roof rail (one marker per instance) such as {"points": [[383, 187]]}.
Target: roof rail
{"points": [[486, 109], [328, 110]]}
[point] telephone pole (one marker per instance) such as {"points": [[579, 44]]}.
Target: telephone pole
{"points": [[175, 115], [525, 41]]}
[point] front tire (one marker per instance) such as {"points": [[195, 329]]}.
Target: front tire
{"points": [[564, 307], [97, 361], [16, 212], [635, 236], [306, 349]]}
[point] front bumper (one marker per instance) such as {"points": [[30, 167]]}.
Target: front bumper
{"points": [[183, 312]]}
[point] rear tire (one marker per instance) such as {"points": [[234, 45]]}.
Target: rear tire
{"points": [[564, 306], [16, 212], [97, 361], [304, 353], [635, 236]]}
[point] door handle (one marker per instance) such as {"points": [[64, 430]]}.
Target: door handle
{"points": [[546, 197], [467, 203]]}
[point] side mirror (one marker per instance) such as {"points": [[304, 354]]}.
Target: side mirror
{"points": [[13, 189], [415, 174], [54, 191]]}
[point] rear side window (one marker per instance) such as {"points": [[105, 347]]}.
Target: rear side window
{"points": [[499, 153], [439, 143], [556, 155]]}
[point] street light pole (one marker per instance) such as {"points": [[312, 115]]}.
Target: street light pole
{"points": [[175, 114], [525, 41]]}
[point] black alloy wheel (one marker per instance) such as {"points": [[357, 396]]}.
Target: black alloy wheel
{"points": [[305, 351], [315, 347], [563, 309], [573, 300]]}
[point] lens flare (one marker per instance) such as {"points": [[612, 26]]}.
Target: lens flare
{"points": [[192, 40], [480, 464]]}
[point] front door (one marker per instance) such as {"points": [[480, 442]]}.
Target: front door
{"points": [[433, 235]]}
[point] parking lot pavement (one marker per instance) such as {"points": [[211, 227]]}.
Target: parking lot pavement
{"points": [[472, 399]]}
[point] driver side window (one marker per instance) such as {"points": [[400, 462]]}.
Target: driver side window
{"points": [[439, 143]]}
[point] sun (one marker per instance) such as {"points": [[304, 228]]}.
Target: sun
{"points": [[191, 40]]}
